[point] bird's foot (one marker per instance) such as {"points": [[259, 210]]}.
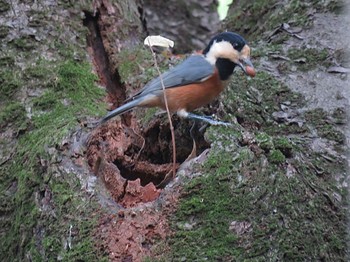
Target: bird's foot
{"points": [[209, 120]]}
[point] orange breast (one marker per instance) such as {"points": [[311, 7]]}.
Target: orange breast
{"points": [[193, 96]]}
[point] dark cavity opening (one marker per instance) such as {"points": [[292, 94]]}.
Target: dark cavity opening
{"points": [[109, 78], [153, 161]]}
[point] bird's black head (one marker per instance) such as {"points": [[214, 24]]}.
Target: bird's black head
{"points": [[227, 50], [234, 39]]}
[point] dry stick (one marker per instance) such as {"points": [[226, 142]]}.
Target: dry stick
{"points": [[143, 143], [167, 109]]}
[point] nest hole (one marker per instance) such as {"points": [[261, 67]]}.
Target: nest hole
{"points": [[152, 159], [120, 154]]}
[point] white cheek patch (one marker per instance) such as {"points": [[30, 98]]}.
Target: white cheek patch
{"points": [[226, 50], [222, 49]]}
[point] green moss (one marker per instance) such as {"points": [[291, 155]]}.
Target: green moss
{"points": [[267, 13], [6, 60], [315, 116], [148, 115], [284, 145], [336, 6], [324, 125], [73, 94], [271, 14], [238, 188], [136, 65], [37, 18], [263, 51], [4, 6], [68, 49], [62, 49], [282, 205], [68, 200], [253, 102], [41, 70], [4, 30], [45, 102], [312, 56], [328, 131], [65, 3], [10, 82], [264, 141], [216, 240], [276, 157], [132, 62], [24, 43], [339, 116], [13, 113]]}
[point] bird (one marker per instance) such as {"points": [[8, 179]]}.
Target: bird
{"points": [[196, 81]]}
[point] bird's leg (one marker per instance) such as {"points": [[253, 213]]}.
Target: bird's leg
{"points": [[208, 119], [183, 113]]}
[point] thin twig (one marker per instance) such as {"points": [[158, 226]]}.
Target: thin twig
{"points": [[167, 109], [143, 144]]}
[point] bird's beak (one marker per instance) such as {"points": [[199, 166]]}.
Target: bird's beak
{"points": [[247, 67]]}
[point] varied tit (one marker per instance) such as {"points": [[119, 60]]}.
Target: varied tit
{"points": [[196, 81]]}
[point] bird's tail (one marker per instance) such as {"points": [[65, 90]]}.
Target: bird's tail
{"points": [[122, 109]]}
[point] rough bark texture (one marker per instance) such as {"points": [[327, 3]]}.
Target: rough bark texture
{"points": [[273, 187], [48, 96], [50, 199]]}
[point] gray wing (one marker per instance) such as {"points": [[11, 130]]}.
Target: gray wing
{"points": [[192, 70]]}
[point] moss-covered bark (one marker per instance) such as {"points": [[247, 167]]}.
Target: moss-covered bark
{"points": [[274, 187], [263, 194], [48, 94]]}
